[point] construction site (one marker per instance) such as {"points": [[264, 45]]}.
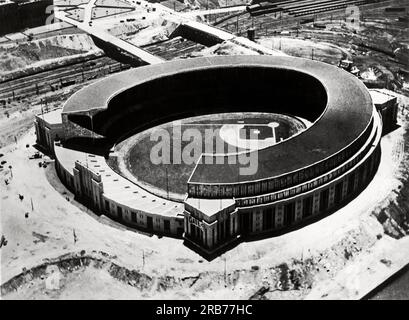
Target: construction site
{"points": [[140, 231]]}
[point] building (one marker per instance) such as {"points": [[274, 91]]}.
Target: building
{"points": [[49, 129], [298, 181], [387, 105]]}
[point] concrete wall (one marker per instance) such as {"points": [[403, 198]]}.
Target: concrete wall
{"points": [[321, 196], [47, 133], [88, 188], [368, 167]]}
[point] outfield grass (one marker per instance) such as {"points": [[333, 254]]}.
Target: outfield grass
{"points": [[174, 176]]}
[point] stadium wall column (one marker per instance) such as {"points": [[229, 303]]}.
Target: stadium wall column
{"points": [[206, 234], [356, 180], [214, 235], [298, 210], [316, 203], [279, 216], [344, 189], [88, 185], [234, 222], [256, 221], [331, 196], [187, 226]]}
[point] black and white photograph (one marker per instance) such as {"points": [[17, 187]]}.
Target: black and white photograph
{"points": [[220, 152]]}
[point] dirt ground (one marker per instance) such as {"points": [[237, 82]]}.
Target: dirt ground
{"points": [[17, 117], [18, 56], [372, 44]]}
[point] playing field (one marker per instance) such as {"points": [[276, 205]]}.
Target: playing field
{"points": [[162, 159]]}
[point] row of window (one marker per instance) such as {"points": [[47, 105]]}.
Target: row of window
{"points": [[223, 232], [149, 220], [301, 189], [249, 189], [269, 214]]}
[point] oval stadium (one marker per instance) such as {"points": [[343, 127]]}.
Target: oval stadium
{"points": [[260, 187]]}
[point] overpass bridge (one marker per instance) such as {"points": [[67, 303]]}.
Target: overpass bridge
{"points": [[105, 36], [182, 19]]}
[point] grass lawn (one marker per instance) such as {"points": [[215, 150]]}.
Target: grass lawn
{"points": [[172, 174]]}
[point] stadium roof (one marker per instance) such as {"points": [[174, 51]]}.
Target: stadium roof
{"points": [[347, 114]]}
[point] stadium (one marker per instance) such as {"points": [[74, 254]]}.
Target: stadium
{"points": [[326, 159]]}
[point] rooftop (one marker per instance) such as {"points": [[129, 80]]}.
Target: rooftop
{"points": [[52, 117], [210, 206], [347, 114], [380, 97], [116, 187]]}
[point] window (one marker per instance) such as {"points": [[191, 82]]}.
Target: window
{"points": [[324, 199], [307, 207], [133, 216], [338, 192], [351, 182], [295, 178], [166, 225], [119, 212], [268, 218], [289, 213]]}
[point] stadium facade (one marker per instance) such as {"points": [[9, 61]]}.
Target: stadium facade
{"points": [[298, 180]]}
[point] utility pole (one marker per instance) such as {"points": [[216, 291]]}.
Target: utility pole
{"points": [[32, 206], [225, 272], [42, 111], [75, 236], [92, 128], [312, 54], [167, 182]]}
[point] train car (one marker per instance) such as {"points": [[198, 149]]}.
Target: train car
{"points": [[262, 8]]}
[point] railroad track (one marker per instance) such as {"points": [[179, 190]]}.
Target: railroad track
{"points": [[174, 48], [240, 23], [46, 81], [50, 80], [60, 77]]}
